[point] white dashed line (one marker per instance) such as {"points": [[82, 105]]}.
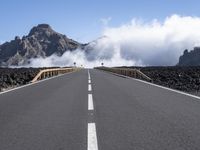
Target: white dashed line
{"points": [[89, 87], [92, 137], [90, 102], [89, 75]]}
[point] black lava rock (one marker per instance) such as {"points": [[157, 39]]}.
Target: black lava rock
{"points": [[10, 77]]}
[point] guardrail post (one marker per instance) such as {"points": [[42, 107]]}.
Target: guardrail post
{"points": [[130, 73], [43, 75]]}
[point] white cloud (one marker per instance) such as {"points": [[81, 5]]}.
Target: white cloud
{"points": [[136, 43], [105, 21], [81, 59], [156, 43]]}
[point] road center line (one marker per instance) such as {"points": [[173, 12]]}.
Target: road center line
{"points": [[89, 75], [89, 87], [90, 102], [92, 137]]}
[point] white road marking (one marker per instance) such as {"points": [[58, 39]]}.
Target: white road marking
{"points": [[90, 102], [89, 87], [169, 89], [89, 75], [27, 85], [92, 137], [159, 86]]}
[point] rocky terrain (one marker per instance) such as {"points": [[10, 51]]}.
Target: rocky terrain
{"points": [[13, 77], [42, 41], [190, 58], [185, 79]]}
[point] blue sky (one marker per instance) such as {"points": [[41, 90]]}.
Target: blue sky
{"points": [[81, 19]]}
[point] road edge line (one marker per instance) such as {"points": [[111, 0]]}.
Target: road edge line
{"points": [[156, 85], [29, 84]]}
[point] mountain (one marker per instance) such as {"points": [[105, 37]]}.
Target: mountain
{"points": [[191, 58], [42, 41]]}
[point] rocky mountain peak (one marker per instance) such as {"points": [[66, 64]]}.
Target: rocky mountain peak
{"points": [[42, 41], [45, 26], [41, 29]]}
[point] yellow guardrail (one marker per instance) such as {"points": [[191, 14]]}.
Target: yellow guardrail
{"points": [[135, 73], [46, 73]]}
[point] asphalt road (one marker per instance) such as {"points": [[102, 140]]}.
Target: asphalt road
{"points": [[98, 110]]}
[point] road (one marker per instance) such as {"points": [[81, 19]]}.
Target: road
{"points": [[96, 110]]}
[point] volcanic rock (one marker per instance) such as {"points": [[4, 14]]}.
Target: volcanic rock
{"points": [[42, 41], [191, 58]]}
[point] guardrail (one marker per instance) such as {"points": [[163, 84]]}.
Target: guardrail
{"points": [[46, 73], [135, 73]]}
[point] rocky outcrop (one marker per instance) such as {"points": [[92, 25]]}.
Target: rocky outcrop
{"points": [[191, 58], [42, 41]]}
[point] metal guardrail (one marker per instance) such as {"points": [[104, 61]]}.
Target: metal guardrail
{"points": [[46, 73], [135, 73]]}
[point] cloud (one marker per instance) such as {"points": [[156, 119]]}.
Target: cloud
{"points": [[81, 59], [105, 21], [156, 43], [136, 43]]}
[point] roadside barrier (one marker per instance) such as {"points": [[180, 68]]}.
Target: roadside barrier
{"points": [[135, 73], [47, 73]]}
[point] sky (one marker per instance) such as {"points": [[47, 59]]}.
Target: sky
{"points": [[85, 20], [136, 32]]}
